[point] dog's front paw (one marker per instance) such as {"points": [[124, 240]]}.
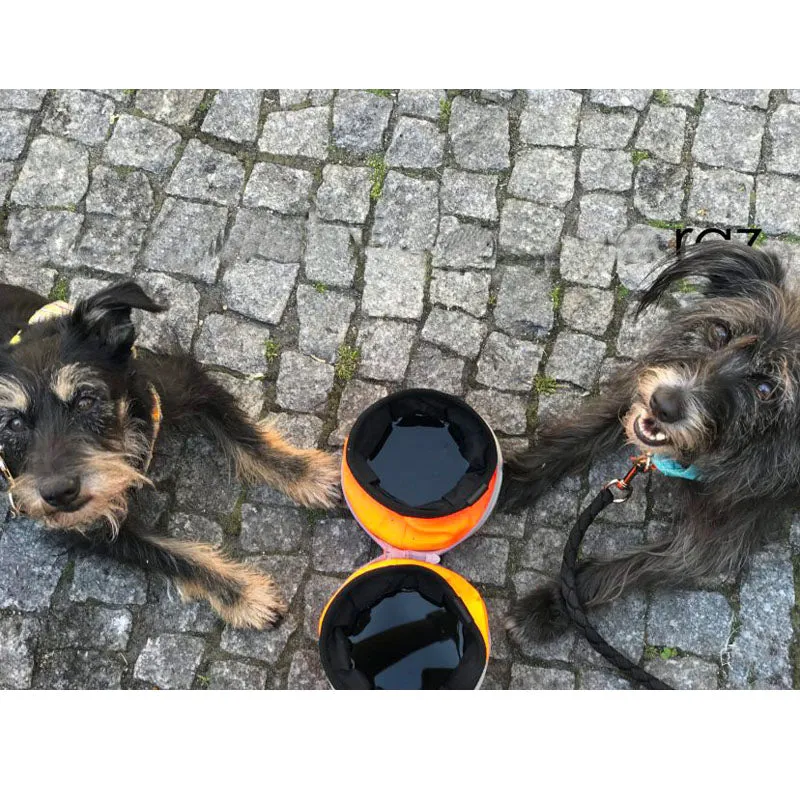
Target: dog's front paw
{"points": [[539, 616]]}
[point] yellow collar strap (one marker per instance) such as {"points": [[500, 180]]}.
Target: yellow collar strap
{"points": [[52, 310]]}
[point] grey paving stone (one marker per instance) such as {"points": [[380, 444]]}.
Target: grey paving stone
{"points": [[640, 249], [527, 229], [360, 120], [602, 217], [464, 245], [777, 209], [170, 614], [393, 283], [259, 289], [431, 368], [480, 559], [586, 309], [282, 189], [524, 306], [293, 97], [43, 236], [268, 529], [385, 347], [248, 392], [204, 173], [550, 117], [265, 645], [455, 330], [621, 97], [235, 675], [607, 130], [305, 672], [79, 115], [504, 413], [421, 102], [415, 144], [576, 358], [324, 320], [720, 196], [357, 396], [79, 669], [728, 136], [138, 142], [760, 656], [31, 563], [498, 609], [194, 528], [184, 239], [469, 194], [636, 334], [407, 213], [229, 342], [744, 97], [204, 484], [234, 115], [288, 571], [793, 95], [109, 581], [466, 290], [169, 661], [544, 551], [658, 192], [606, 169], [621, 624], [262, 233], [18, 636], [344, 193], [509, 364], [26, 99], [663, 133], [86, 287], [55, 173], [173, 106], [479, 135], [525, 677], [124, 193], [588, 263], [338, 545], [160, 332], [510, 526], [564, 402], [13, 133], [109, 244], [303, 383], [593, 680], [545, 175], [319, 589], [497, 95], [687, 672], [682, 97], [784, 130], [301, 430], [89, 627], [296, 133], [20, 272], [699, 622], [330, 257], [6, 179]]}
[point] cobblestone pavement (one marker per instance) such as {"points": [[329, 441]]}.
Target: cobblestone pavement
{"points": [[323, 248]]}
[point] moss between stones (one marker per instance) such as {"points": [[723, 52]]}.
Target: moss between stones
{"points": [[271, 350], [347, 362], [60, 290], [545, 385], [379, 170]]}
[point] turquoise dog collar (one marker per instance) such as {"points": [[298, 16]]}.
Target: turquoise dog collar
{"points": [[673, 469]]}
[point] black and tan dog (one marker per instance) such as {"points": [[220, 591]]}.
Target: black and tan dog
{"points": [[717, 397], [80, 412]]}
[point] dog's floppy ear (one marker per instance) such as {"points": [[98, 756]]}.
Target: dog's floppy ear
{"points": [[103, 320], [727, 269]]}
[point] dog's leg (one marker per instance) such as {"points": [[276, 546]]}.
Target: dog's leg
{"points": [[567, 448], [702, 545], [259, 453], [242, 596]]}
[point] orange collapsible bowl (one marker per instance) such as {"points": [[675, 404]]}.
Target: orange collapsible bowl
{"points": [[421, 472]]}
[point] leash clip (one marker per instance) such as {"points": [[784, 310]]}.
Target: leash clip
{"points": [[642, 463]]}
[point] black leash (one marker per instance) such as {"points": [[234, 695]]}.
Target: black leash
{"points": [[569, 584]]}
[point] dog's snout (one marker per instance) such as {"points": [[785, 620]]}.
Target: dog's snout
{"points": [[60, 491], [667, 404]]}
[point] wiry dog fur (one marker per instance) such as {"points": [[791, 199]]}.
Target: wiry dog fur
{"points": [[719, 388], [77, 426]]}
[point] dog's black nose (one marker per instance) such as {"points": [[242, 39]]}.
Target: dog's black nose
{"points": [[60, 491], [667, 404]]}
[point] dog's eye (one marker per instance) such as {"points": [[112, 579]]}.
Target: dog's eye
{"points": [[765, 389], [719, 334], [16, 424], [85, 402]]}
